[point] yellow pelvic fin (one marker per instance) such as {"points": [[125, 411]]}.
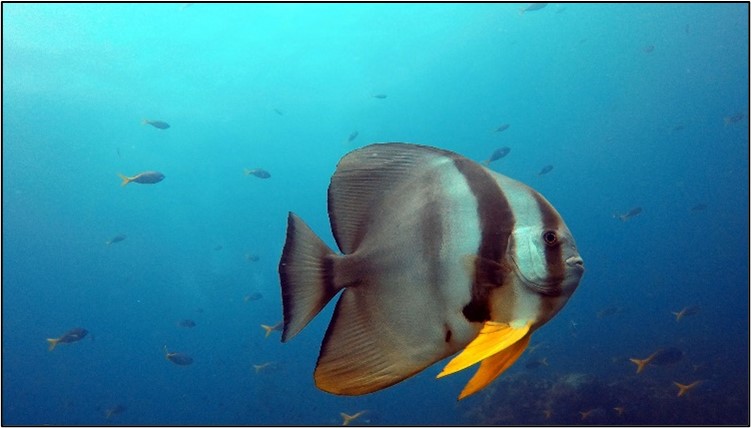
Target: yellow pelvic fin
{"points": [[493, 366], [640, 364], [683, 389], [53, 343], [126, 180], [493, 338]]}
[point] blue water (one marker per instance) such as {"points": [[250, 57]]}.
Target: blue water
{"points": [[626, 101]]}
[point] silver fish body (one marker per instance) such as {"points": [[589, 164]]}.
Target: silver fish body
{"points": [[435, 250]]}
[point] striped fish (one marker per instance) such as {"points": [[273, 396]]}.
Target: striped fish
{"points": [[439, 255]]}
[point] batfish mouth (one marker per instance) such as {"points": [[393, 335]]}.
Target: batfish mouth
{"points": [[552, 286], [575, 262]]}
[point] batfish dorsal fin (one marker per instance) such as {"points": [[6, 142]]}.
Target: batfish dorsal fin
{"points": [[363, 176]]}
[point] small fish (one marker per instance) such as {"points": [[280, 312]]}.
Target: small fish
{"points": [[685, 312], [187, 323], [533, 348], [352, 136], [279, 112], [662, 357], [147, 177], [269, 328], [481, 280], [252, 297], [218, 247], [585, 415], [548, 413], [155, 123], [531, 7], [115, 239], [258, 172], [729, 120], [683, 389], [537, 363], [118, 152], [73, 335], [609, 311], [546, 169], [497, 154], [699, 207], [252, 257], [178, 358], [503, 127], [677, 128], [619, 410], [346, 419], [648, 48], [629, 215], [114, 411], [380, 96], [262, 367]]}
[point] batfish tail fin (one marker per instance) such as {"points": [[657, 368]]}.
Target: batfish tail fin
{"points": [[306, 272], [53, 343], [126, 180]]}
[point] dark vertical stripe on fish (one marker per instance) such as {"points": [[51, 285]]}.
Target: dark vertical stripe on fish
{"points": [[496, 224], [556, 268]]}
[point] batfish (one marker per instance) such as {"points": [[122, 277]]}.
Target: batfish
{"points": [[438, 255]]}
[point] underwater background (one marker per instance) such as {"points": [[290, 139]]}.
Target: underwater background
{"points": [[634, 105]]}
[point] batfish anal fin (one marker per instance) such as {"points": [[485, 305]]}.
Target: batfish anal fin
{"points": [[306, 276], [366, 350], [492, 339], [364, 176], [493, 366]]}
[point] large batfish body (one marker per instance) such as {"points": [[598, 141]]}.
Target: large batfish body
{"points": [[439, 255]]}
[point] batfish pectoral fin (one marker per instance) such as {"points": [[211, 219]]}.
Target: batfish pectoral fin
{"points": [[492, 339], [493, 366]]}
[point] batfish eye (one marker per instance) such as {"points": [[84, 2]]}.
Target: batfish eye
{"points": [[550, 238]]}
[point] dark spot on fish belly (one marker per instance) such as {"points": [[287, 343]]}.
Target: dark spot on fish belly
{"points": [[447, 338]]}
